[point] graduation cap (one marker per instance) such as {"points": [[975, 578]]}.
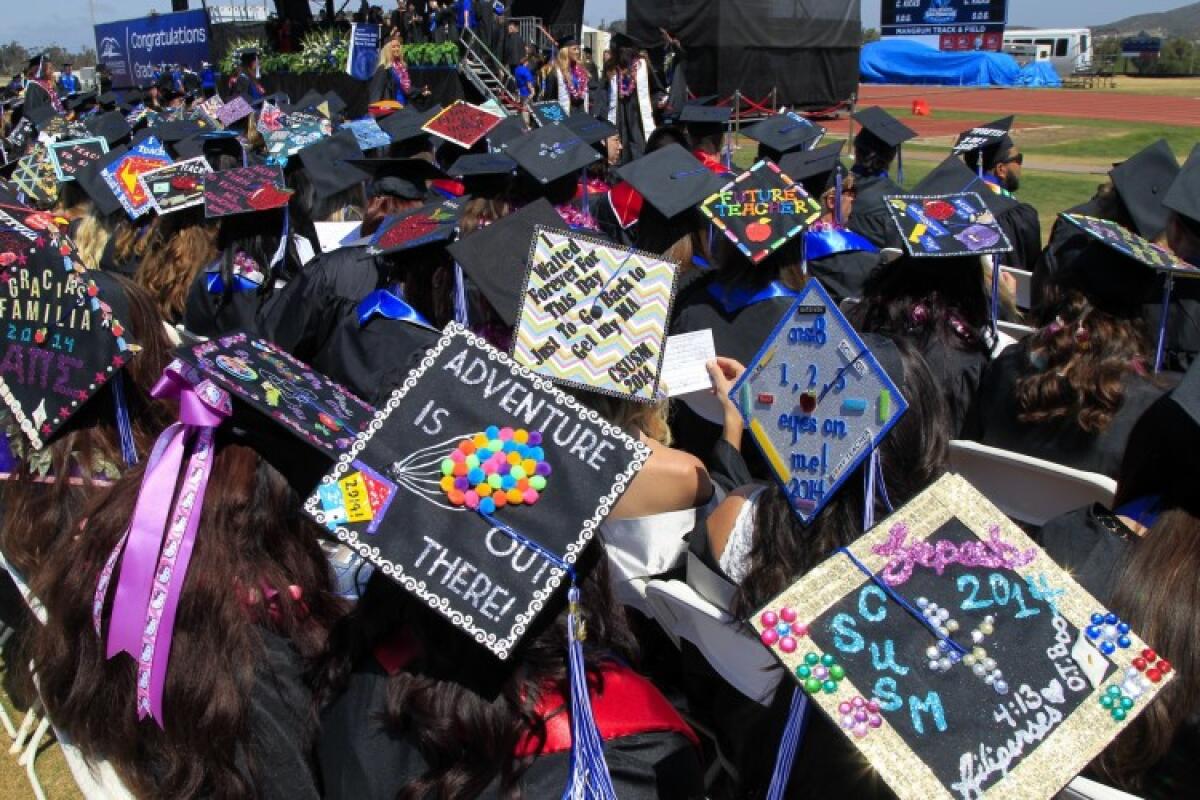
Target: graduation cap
{"points": [[407, 124], [608, 333], [134, 96], [551, 152], [434, 223], [233, 111], [983, 136], [1184, 195], [883, 126], [211, 144], [1142, 182], [462, 124], [259, 187], [1113, 273], [756, 226], [815, 169], [122, 173], [299, 130], [176, 186], [67, 341], [328, 164], [81, 100], [815, 366], [36, 62], [671, 179], [108, 98], [696, 113], [295, 418], [397, 177], [590, 129], [96, 188], [945, 716], [548, 112], [173, 131], [496, 257], [71, 156], [501, 136], [478, 165], [368, 133], [334, 102], [311, 101], [946, 226]]}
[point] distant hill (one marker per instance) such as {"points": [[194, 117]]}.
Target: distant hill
{"points": [[1183, 21]]}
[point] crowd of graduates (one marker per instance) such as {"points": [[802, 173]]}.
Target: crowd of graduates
{"points": [[297, 669]]}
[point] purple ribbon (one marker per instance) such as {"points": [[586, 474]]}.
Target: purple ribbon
{"points": [[158, 546]]}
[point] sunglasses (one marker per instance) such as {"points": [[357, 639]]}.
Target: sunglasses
{"points": [[1019, 158]]}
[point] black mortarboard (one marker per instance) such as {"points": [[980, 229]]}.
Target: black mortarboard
{"points": [[815, 168], [175, 130], [883, 126], [335, 103], [405, 124], [233, 111], [513, 127], [699, 113], [96, 188], [405, 178], [983, 137], [1184, 195], [36, 62], [671, 179], [70, 157], [551, 152], [109, 125], [259, 187], [108, 98], [368, 133], [567, 41], [309, 102], [495, 258], [435, 506], [58, 300], [327, 167], [433, 223], [1142, 182], [134, 96], [590, 129], [210, 144], [481, 164], [81, 100], [1128, 244], [620, 41], [942, 226]]}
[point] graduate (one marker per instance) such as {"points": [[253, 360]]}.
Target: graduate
{"points": [[567, 80], [391, 80], [630, 96], [706, 129], [782, 134], [40, 92], [1182, 237], [68, 82], [245, 83], [876, 148]]}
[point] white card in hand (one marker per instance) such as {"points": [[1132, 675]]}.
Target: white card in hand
{"points": [[684, 363]]}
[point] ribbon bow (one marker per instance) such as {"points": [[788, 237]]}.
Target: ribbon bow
{"points": [[156, 554]]}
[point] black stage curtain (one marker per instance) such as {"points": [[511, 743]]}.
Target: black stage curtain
{"points": [[552, 12], [805, 50]]}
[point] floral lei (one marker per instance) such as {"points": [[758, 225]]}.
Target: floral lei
{"points": [[401, 71], [627, 84], [578, 84]]}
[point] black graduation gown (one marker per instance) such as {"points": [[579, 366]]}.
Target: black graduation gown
{"points": [[959, 373], [870, 217], [361, 761], [1024, 230], [844, 274], [311, 305], [367, 358], [247, 87], [36, 97], [209, 315], [514, 50], [1183, 322], [1066, 244], [993, 419]]}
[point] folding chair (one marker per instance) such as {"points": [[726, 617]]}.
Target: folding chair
{"points": [[726, 643], [1085, 789], [1028, 489], [1015, 330], [1024, 281]]}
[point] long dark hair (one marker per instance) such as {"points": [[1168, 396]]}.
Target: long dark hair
{"points": [[464, 711], [913, 455], [42, 510], [251, 539]]}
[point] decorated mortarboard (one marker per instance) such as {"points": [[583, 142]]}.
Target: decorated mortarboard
{"points": [[34, 176], [761, 210], [884, 126], [590, 129], [983, 136], [122, 174], [15, 144], [943, 226], [58, 128], [957, 657], [551, 152], [594, 315], [367, 133], [430, 224], [548, 112], [65, 342], [704, 114], [234, 111], [311, 101], [408, 124], [453, 482], [1142, 182], [816, 401], [71, 156], [243, 190], [462, 124], [671, 179], [473, 165], [96, 188], [508, 131], [1184, 195], [298, 130], [496, 257], [211, 109], [176, 186], [326, 164], [110, 125], [398, 177]]}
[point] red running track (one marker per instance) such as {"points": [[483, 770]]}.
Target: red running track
{"points": [[1078, 103]]}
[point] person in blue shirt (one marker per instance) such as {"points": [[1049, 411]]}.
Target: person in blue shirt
{"points": [[68, 82], [524, 77], [208, 79]]}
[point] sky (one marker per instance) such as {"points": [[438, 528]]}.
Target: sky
{"points": [[69, 22]]}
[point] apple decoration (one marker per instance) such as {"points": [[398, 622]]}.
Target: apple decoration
{"points": [[939, 210], [267, 197], [759, 231], [39, 336]]}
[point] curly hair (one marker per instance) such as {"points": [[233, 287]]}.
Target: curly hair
{"points": [[91, 237], [1082, 355], [251, 539], [168, 270]]}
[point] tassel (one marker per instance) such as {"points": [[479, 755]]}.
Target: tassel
{"points": [[874, 488], [281, 250], [900, 164], [124, 428], [837, 195], [793, 735], [589, 777], [461, 314], [1160, 352], [995, 298]]}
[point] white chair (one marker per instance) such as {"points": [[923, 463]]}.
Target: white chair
{"points": [[1003, 342], [726, 643], [1028, 489], [1015, 330], [1085, 789], [1024, 281]]}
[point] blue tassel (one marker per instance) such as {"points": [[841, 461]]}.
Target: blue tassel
{"points": [[995, 297], [589, 778], [793, 735], [1160, 351], [124, 428], [837, 195], [900, 164], [874, 489], [461, 314]]}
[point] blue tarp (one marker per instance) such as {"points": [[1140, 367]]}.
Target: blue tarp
{"points": [[909, 62], [1039, 74]]}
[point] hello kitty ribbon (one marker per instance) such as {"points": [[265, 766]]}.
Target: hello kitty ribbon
{"points": [[156, 554]]}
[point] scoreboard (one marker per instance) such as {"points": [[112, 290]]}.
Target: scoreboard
{"points": [[934, 17]]}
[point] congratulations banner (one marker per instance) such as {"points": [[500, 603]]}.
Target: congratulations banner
{"points": [[132, 48]]}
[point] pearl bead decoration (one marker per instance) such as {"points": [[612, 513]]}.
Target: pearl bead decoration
{"points": [[942, 656]]}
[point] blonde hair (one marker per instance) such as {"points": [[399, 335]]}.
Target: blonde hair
{"points": [[90, 240], [563, 62], [385, 53]]}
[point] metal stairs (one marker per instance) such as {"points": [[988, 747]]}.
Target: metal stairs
{"points": [[491, 78]]}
